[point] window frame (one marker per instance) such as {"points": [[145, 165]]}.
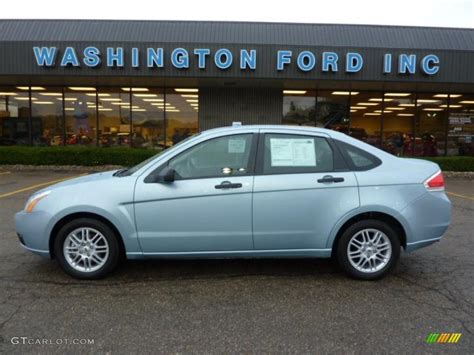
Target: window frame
{"points": [[339, 163], [343, 146], [250, 166]]}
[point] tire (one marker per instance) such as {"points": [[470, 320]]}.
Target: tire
{"points": [[368, 250], [87, 249]]}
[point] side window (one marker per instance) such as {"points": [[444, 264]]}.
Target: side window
{"points": [[288, 153], [223, 156], [360, 159]]}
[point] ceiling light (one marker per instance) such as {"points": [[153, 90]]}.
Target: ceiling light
{"points": [[138, 109], [186, 90], [384, 111], [135, 89], [110, 99], [400, 94], [68, 109], [466, 102], [121, 103], [172, 110], [81, 88], [353, 110], [194, 105], [367, 104], [446, 95], [405, 114], [22, 98], [43, 102], [190, 95], [153, 100], [372, 114], [67, 98], [34, 88], [425, 101], [345, 93], [432, 109], [51, 93], [395, 108], [105, 109], [192, 100], [451, 106], [294, 92], [380, 99], [102, 94], [358, 107], [407, 105], [160, 103], [8, 94], [145, 95]]}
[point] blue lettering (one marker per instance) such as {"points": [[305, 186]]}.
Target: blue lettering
{"points": [[354, 62], [135, 58], [115, 58], [70, 57], [248, 60], [283, 58], [201, 54], [227, 62], [45, 56], [387, 63], [91, 57], [330, 60], [430, 64], [154, 57], [180, 58], [407, 63], [306, 61]]}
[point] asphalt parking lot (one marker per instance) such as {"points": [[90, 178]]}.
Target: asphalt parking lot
{"points": [[228, 306]]}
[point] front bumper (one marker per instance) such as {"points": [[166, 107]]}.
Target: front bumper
{"points": [[33, 232]]}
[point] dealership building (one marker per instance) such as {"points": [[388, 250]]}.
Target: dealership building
{"points": [[149, 84]]}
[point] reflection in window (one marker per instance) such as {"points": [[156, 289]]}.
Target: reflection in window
{"points": [[366, 114], [430, 125], [148, 113], [398, 120], [47, 116], [80, 109], [14, 116], [299, 107], [114, 117], [461, 125], [332, 109], [182, 106]]}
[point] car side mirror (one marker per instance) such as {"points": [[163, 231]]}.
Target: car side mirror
{"points": [[166, 175]]}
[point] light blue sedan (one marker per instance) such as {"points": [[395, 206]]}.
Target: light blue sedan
{"points": [[244, 191]]}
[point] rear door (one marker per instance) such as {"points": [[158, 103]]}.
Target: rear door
{"points": [[302, 188]]}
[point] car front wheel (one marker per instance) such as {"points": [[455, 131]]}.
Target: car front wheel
{"points": [[87, 248], [368, 249]]}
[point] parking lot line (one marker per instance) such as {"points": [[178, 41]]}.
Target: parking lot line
{"points": [[5, 172], [459, 195], [38, 185]]}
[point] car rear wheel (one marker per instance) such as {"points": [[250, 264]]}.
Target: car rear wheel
{"points": [[87, 248], [368, 249]]}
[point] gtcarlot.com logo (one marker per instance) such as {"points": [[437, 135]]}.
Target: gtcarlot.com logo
{"points": [[50, 341], [452, 338]]}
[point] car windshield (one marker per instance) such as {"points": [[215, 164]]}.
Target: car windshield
{"points": [[133, 169]]}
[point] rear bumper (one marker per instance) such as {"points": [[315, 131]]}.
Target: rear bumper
{"points": [[31, 230], [427, 218]]}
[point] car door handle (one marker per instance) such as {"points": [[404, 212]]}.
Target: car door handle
{"points": [[329, 178], [228, 185]]}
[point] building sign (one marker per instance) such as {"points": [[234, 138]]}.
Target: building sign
{"points": [[223, 59]]}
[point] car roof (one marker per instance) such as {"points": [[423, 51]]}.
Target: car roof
{"points": [[237, 128]]}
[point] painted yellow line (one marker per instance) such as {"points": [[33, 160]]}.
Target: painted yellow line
{"points": [[39, 185], [5, 172], [459, 195]]}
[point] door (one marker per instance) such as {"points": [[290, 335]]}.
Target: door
{"points": [[302, 188], [207, 207]]}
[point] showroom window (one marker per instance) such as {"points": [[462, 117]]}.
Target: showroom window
{"points": [[14, 115], [114, 116], [460, 125], [299, 107], [47, 116], [398, 119], [148, 118], [332, 109], [430, 125], [81, 119], [181, 114], [366, 117]]}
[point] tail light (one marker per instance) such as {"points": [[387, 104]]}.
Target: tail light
{"points": [[435, 182]]}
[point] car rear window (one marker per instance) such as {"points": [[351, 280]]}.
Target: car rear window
{"points": [[359, 159]]}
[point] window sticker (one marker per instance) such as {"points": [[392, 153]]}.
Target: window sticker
{"points": [[237, 145], [292, 152]]}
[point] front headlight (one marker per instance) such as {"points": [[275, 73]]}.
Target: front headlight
{"points": [[33, 201]]}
